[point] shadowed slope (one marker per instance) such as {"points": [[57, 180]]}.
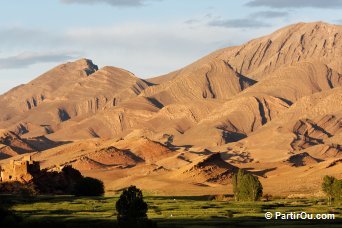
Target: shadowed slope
{"points": [[12, 145], [312, 124]]}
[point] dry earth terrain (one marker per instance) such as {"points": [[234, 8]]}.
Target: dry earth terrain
{"points": [[272, 106]]}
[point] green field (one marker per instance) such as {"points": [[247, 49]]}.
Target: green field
{"points": [[70, 211]]}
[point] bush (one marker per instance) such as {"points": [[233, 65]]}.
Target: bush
{"points": [[246, 187], [132, 209], [18, 188], [88, 186]]}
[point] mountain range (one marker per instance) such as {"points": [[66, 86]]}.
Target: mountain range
{"points": [[272, 106]]}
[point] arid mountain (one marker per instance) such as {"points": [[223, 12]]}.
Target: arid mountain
{"points": [[82, 93], [44, 88], [295, 43], [271, 106]]}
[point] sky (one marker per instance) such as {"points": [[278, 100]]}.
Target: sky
{"points": [[147, 37]]}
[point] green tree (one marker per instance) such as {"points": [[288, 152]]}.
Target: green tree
{"points": [[235, 186], [337, 190], [327, 187], [246, 187], [132, 209]]}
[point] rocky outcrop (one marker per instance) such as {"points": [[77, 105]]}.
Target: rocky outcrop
{"points": [[211, 169]]}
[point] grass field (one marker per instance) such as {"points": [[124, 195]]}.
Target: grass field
{"points": [[69, 211]]}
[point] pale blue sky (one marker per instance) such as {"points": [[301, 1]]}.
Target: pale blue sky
{"points": [[146, 37]]}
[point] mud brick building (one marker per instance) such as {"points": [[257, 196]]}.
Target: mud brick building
{"points": [[22, 171]]}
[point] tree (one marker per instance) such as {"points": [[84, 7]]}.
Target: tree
{"points": [[337, 190], [88, 186], [246, 187], [332, 188], [327, 187], [132, 209]]}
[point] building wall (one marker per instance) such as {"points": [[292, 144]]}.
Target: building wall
{"points": [[22, 171]]}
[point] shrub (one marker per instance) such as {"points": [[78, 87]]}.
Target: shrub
{"points": [[18, 188], [246, 187], [132, 209], [88, 186]]}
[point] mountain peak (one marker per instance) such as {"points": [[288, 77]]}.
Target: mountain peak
{"points": [[87, 65], [311, 28]]}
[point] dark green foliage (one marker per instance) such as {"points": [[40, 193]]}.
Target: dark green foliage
{"points": [[332, 188], [18, 188], [52, 182], [327, 187], [131, 204], [88, 186], [132, 209], [235, 187], [246, 187], [337, 190]]}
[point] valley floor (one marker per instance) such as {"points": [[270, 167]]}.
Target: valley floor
{"points": [[178, 211]]}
